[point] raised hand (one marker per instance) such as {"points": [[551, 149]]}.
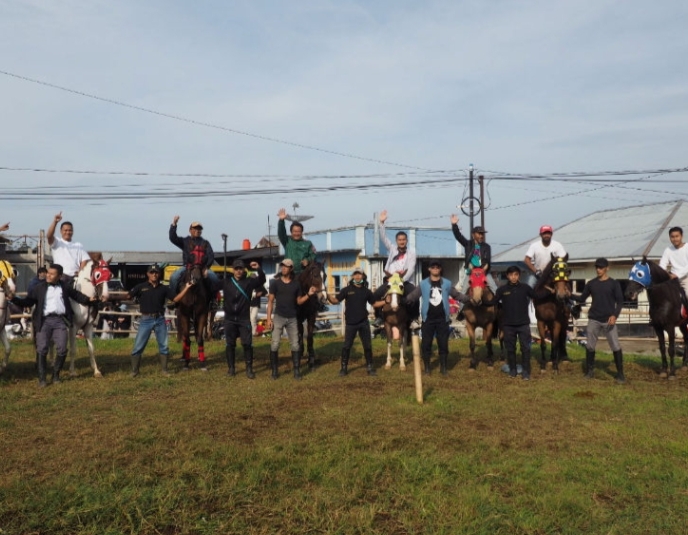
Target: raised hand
{"points": [[383, 216], [282, 214], [175, 220], [454, 219]]}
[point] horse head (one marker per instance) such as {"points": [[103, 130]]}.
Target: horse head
{"points": [[559, 273], [640, 278], [396, 289], [314, 276], [7, 276], [477, 282]]}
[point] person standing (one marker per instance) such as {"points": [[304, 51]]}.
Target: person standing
{"points": [[607, 301], [40, 276], [196, 251], [152, 296], [237, 291], [300, 251], [286, 291], [51, 318], [515, 299], [675, 261], [540, 253], [477, 253], [69, 254], [356, 297], [434, 292]]}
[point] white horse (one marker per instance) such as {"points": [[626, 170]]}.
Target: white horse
{"points": [[91, 280], [6, 288]]}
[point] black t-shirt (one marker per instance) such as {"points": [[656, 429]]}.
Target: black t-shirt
{"points": [[152, 298], [286, 296], [435, 306], [607, 299], [515, 299], [356, 297]]}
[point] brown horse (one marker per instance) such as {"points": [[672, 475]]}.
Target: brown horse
{"points": [[193, 310], [311, 276], [552, 312], [396, 321], [479, 315]]}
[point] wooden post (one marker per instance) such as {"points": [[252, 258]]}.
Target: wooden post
{"points": [[418, 377]]}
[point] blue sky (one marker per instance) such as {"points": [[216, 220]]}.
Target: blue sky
{"points": [[514, 87]]}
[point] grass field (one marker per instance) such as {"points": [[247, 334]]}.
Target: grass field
{"points": [[201, 453]]}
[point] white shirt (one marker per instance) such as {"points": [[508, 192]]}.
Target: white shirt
{"points": [[54, 304], [396, 261], [675, 260], [69, 255], [541, 255]]}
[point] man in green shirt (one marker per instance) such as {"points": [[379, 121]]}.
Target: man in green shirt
{"points": [[298, 250]]}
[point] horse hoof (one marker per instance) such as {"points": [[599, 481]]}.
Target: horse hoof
{"points": [[97, 374], [663, 375], [471, 369], [672, 377], [542, 370], [72, 373], [402, 368], [490, 367], [388, 366]]}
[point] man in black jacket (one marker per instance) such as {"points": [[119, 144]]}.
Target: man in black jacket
{"points": [[52, 317], [196, 251], [237, 291], [477, 253]]}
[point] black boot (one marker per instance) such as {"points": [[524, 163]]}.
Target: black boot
{"points": [[345, 363], [274, 364], [248, 356], [57, 367], [296, 362], [443, 365], [618, 360], [426, 364], [369, 362], [230, 354], [590, 363], [511, 360], [163, 364], [135, 365], [41, 371]]}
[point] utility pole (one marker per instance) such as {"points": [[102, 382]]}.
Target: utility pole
{"points": [[224, 248], [481, 181], [471, 210]]}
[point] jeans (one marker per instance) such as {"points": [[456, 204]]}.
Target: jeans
{"points": [[148, 324], [596, 328], [177, 275]]}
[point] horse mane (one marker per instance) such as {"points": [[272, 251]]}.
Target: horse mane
{"points": [[547, 272], [657, 273]]}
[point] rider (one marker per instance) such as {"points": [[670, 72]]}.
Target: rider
{"points": [[477, 253], [69, 254], [401, 260], [301, 252], [675, 260], [540, 253], [196, 251]]}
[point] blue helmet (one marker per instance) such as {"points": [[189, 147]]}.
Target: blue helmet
{"points": [[640, 273]]}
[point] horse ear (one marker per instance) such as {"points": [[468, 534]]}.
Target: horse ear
{"points": [[485, 267], [566, 257]]}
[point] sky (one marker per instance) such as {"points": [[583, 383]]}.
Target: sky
{"points": [[344, 107]]}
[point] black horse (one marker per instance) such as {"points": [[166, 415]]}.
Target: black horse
{"points": [[664, 297], [311, 276], [193, 310]]}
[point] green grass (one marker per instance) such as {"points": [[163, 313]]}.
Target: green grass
{"points": [[202, 453]]}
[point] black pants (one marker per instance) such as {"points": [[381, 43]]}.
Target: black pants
{"points": [[511, 334], [363, 330], [238, 329], [435, 329]]}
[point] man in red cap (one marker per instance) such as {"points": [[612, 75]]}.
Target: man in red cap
{"points": [[540, 253], [196, 250]]}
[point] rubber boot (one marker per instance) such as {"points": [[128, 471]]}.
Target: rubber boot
{"points": [[274, 364], [525, 374], [248, 357], [311, 360], [135, 365], [230, 354], [345, 363], [163, 364], [443, 365], [511, 360], [41, 371], [369, 362], [57, 368], [426, 364], [590, 363], [618, 360], [296, 362]]}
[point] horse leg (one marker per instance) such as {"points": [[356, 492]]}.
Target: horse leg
{"points": [[200, 340], [684, 332], [402, 346], [388, 365], [8, 348], [556, 331], [662, 351], [487, 336], [88, 335], [72, 350], [186, 350], [310, 327], [470, 331], [672, 352], [299, 330]]}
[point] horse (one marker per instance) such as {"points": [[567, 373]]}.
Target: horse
{"points": [[479, 315], [312, 276], [395, 317], [7, 287], [193, 310], [664, 297], [552, 311], [91, 281]]}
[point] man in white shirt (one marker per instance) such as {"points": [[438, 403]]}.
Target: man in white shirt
{"points": [[675, 259], [540, 253], [70, 255]]}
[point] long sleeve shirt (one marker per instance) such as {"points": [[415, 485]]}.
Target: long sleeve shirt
{"points": [[677, 259], [295, 250], [607, 299], [398, 262], [192, 246]]}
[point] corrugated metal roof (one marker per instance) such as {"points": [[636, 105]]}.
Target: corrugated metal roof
{"points": [[143, 257], [623, 233]]}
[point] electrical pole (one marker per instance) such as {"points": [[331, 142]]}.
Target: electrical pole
{"points": [[481, 181], [471, 208]]}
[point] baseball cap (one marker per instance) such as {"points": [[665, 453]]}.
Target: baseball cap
{"points": [[238, 264], [435, 263], [479, 229], [601, 263], [357, 270], [154, 268], [287, 262], [196, 224], [544, 229]]}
